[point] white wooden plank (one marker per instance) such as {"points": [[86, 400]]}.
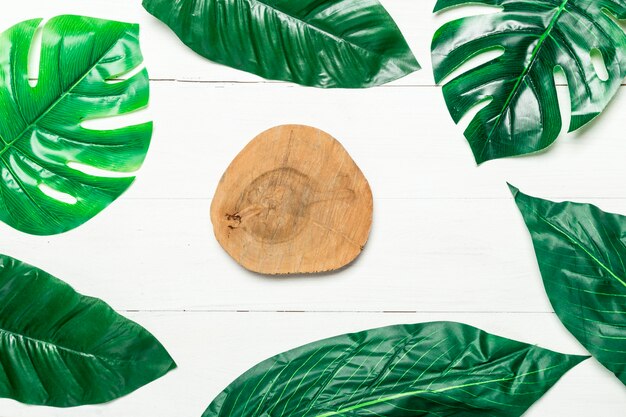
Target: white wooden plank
{"points": [[402, 138], [423, 255], [212, 349]]}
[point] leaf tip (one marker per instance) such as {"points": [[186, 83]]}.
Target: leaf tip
{"points": [[480, 156], [575, 360], [173, 365], [439, 6], [514, 190]]}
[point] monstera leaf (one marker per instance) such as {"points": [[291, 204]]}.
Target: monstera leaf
{"points": [[62, 349], [55, 173], [536, 37], [581, 252], [321, 43], [429, 370]]}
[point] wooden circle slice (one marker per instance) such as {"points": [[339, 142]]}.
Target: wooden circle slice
{"points": [[293, 201]]}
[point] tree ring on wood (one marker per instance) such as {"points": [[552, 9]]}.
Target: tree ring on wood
{"points": [[293, 201]]}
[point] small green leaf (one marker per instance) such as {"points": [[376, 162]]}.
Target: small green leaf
{"points": [[581, 252], [430, 370], [321, 43], [59, 348], [55, 172], [537, 37]]}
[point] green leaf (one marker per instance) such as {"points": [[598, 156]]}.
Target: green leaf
{"points": [[321, 43], [59, 348], [536, 37], [55, 173], [582, 254], [429, 370]]}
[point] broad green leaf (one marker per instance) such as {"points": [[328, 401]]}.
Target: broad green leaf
{"points": [[59, 348], [536, 37], [55, 173], [429, 370], [581, 252], [321, 43]]}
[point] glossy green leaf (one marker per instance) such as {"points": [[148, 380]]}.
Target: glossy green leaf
{"points": [[581, 252], [321, 43], [536, 37], [55, 173], [429, 370], [62, 349]]}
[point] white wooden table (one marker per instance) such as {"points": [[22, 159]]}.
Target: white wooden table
{"points": [[447, 243]]}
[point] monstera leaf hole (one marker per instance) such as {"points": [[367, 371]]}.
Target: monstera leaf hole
{"points": [[97, 172], [450, 13], [564, 99], [476, 60], [121, 77], [135, 118], [34, 55], [598, 64], [57, 195]]}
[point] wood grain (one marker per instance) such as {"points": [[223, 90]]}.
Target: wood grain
{"points": [[293, 201]]}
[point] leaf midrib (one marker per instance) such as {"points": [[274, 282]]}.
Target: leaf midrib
{"points": [[423, 391], [581, 246], [64, 94], [525, 72], [316, 28], [57, 346]]}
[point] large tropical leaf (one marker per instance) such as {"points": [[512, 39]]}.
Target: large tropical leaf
{"points": [[536, 37], [429, 370], [321, 43], [54, 172], [581, 252], [62, 349]]}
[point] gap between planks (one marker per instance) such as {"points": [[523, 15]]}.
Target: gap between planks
{"points": [[270, 82], [237, 311], [288, 84], [551, 197]]}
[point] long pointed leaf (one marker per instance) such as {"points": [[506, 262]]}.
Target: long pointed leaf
{"points": [[536, 37], [430, 370], [322, 43], [62, 349], [581, 252]]}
